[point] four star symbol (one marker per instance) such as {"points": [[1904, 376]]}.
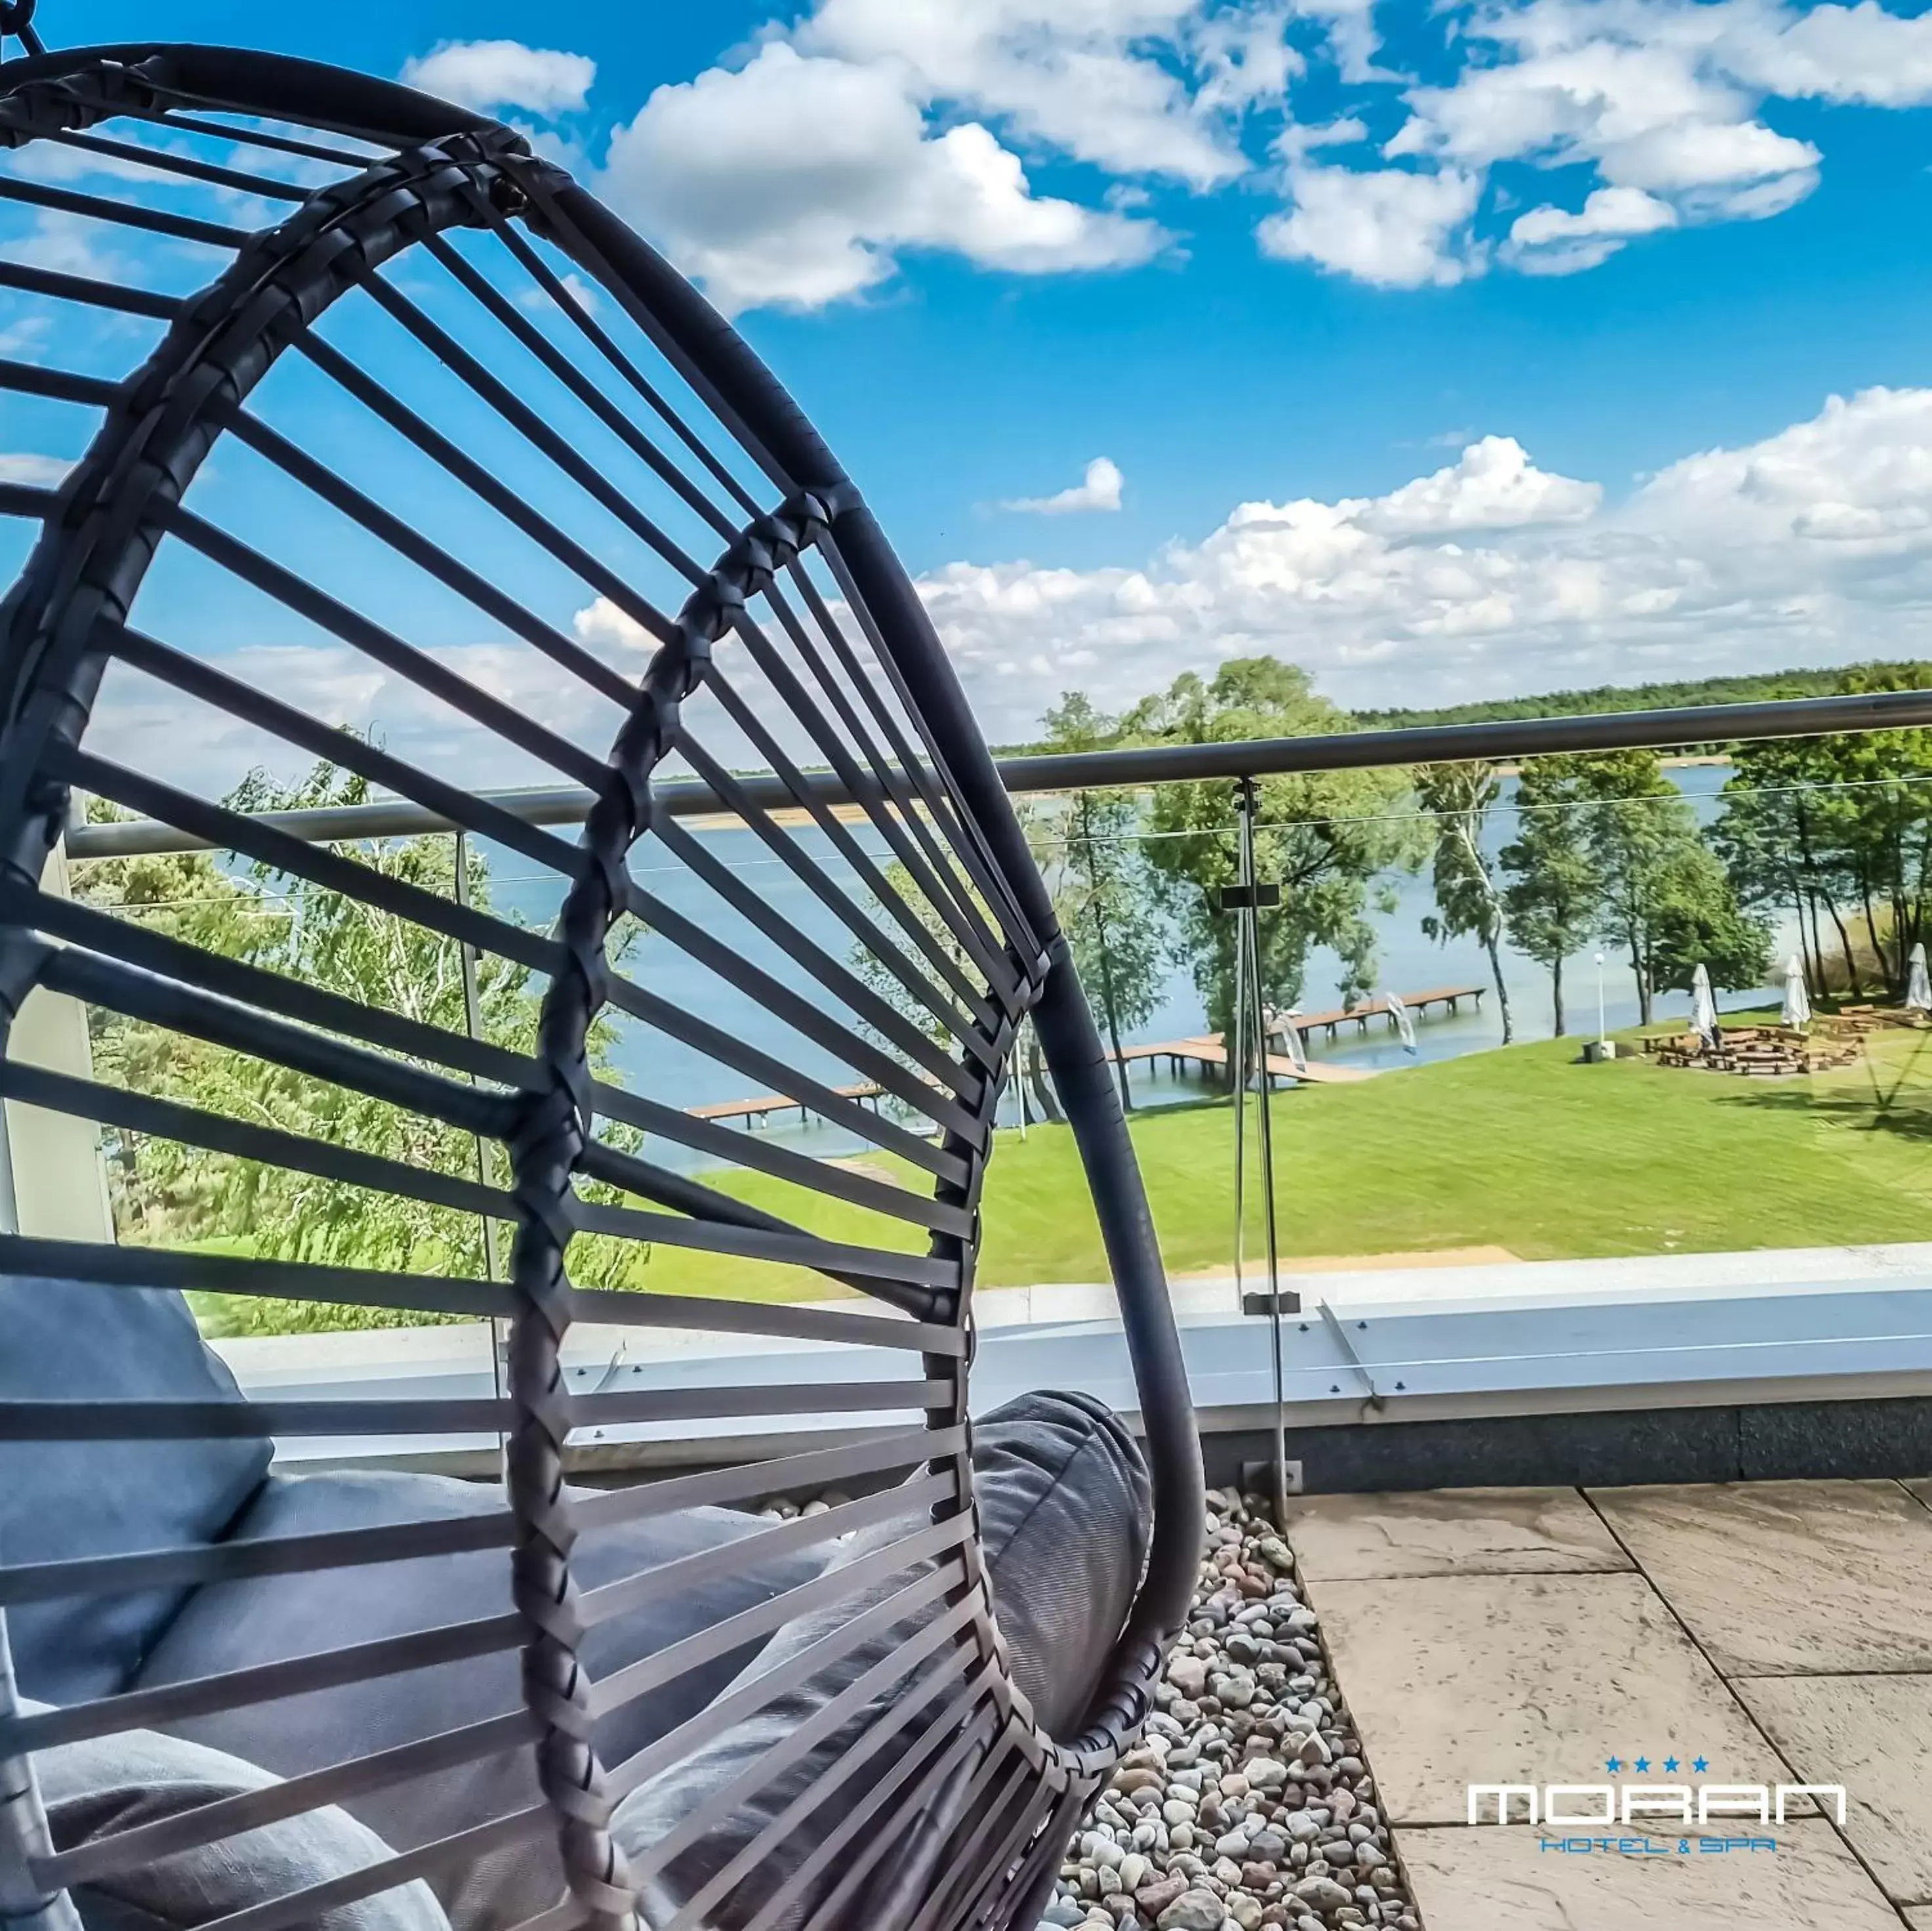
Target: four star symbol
{"points": [[1642, 1765]]}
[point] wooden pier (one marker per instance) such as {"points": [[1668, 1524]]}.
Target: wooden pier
{"points": [[1418, 1003], [761, 1106], [1210, 1050], [1207, 1050]]}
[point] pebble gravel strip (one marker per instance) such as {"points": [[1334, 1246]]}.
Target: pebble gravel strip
{"points": [[1248, 1803]]}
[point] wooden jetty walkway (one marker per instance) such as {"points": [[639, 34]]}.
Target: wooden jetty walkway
{"points": [[1210, 1051], [1418, 1003], [867, 1092], [1207, 1050]]}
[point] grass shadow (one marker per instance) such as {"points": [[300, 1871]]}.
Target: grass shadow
{"points": [[1881, 1094], [1911, 1120]]}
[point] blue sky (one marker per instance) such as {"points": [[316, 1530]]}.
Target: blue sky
{"points": [[1515, 328]]}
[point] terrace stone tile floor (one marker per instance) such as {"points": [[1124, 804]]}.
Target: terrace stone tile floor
{"points": [[1781, 1632]]}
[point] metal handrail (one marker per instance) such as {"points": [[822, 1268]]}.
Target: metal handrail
{"points": [[1133, 765]]}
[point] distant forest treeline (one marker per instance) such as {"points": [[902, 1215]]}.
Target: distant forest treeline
{"points": [[1680, 695]]}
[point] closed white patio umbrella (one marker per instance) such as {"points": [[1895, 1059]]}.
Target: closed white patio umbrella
{"points": [[1918, 986], [1797, 1011], [1703, 1007]]}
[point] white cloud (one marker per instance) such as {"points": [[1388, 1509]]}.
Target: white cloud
{"points": [[1099, 489], [795, 180], [1353, 42], [41, 472], [1573, 93], [1493, 486], [585, 294], [600, 623], [490, 74], [1759, 201], [1859, 54], [1490, 575], [1551, 241], [870, 127], [1300, 138], [1665, 99], [47, 160], [1086, 77], [1387, 226], [1610, 210], [67, 244], [1858, 474], [148, 725], [1813, 545], [1245, 59], [1695, 154], [1659, 98], [913, 124], [845, 135]]}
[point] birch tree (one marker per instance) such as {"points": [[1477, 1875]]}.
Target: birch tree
{"points": [[1458, 800]]}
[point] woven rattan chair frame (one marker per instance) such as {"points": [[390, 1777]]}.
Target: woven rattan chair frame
{"points": [[976, 1810]]}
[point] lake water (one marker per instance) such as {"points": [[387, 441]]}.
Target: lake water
{"points": [[651, 1062], [1409, 960]]}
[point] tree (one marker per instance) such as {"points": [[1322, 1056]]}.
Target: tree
{"points": [[159, 1190], [1665, 899], [1698, 921], [1103, 891], [1458, 800], [1554, 891], [166, 1190], [1781, 836], [865, 962], [1635, 821], [1638, 829], [1736, 687], [1881, 817], [1327, 837], [1840, 827]]}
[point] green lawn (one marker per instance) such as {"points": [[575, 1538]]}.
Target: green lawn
{"points": [[1524, 1150], [1528, 1149]]}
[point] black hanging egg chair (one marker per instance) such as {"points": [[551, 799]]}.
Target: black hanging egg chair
{"points": [[346, 360]]}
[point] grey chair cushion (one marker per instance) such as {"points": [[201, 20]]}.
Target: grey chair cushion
{"points": [[69, 1341], [230, 1625], [1065, 1508], [106, 1785]]}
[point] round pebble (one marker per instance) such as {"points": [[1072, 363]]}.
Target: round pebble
{"points": [[1248, 1804]]}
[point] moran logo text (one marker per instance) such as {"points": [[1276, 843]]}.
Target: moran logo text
{"points": [[1596, 1807]]}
